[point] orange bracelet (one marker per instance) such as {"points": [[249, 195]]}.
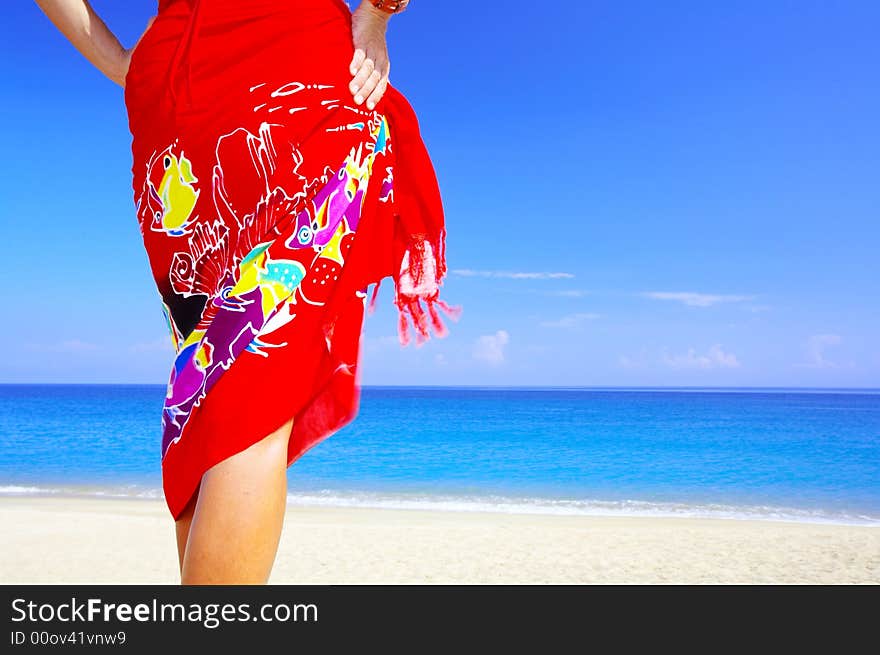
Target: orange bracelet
{"points": [[390, 6]]}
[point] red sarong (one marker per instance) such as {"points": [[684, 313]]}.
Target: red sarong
{"points": [[268, 202]]}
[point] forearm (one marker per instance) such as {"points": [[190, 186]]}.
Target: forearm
{"points": [[368, 7], [77, 21]]}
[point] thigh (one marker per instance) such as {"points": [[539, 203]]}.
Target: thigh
{"points": [[239, 513]]}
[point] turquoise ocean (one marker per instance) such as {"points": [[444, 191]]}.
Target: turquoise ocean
{"points": [[789, 454]]}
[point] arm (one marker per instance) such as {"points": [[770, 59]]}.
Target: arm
{"points": [[77, 21], [370, 65]]}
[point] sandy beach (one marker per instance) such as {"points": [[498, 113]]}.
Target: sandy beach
{"points": [[85, 540]]}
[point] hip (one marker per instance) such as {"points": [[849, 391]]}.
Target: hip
{"points": [[207, 52]]}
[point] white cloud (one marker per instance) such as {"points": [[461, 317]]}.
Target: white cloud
{"points": [[490, 347], [693, 299], [816, 346], [162, 344], [377, 343], [634, 361], [67, 346], [570, 321], [466, 272], [568, 293], [715, 357]]}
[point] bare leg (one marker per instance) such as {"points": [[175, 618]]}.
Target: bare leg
{"points": [[236, 524]]}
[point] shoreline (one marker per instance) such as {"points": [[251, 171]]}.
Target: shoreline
{"points": [[65, 540], [488, 503]]}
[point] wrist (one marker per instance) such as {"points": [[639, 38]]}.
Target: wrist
{"points": [[372, 10]]}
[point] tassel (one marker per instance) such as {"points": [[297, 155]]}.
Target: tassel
{"points": [[372, 305], [402, 327], [420, 319], [419, 280], [439, 328], [453, 312]]}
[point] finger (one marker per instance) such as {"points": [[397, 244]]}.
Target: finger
{"points": [[377, 93], [357, 60], [363, 73], [368, 87]]}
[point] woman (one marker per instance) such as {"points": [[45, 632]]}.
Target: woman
{"points": [[276, 174]]}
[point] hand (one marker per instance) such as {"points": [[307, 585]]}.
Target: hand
{"points": [[370, 65]]}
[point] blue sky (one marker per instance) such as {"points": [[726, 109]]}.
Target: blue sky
{"points": [[636, 194]]}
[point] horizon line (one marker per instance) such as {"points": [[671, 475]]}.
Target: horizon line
{"points": [[512, 387]]}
